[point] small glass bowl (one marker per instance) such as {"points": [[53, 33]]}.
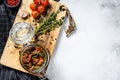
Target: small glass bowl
{"points": [[17, 4], [44, 65], [21, 33]]}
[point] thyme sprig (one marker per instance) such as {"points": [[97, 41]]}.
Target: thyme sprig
{"points": [[49, 23]]}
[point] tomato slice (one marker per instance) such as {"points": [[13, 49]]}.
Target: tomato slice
{"points": [[41, 60], [37, 50]]}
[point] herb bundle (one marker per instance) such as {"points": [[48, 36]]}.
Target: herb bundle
{"points": [[48, 24]]}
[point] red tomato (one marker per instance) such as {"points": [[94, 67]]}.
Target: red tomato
{"points": [[37, 50], [35, 14], [33, 6], [41, 60], [44, 2], [12, 2], [40, 9], [36, 1]]}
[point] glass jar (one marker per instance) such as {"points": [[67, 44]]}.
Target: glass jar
{"points": [[41, 69], [21, 32]]}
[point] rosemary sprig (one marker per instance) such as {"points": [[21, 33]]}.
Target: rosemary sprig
{"points": [[48, 24]]}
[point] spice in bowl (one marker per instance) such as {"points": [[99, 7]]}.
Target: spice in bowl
{"points": [[12, 3]]}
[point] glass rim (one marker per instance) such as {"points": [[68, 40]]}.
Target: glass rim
{"points": [[16, 27]]}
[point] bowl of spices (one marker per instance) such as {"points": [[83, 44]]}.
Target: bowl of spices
{"points": [[12, 3]]}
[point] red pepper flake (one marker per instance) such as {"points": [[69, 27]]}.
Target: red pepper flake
{"points": [[12, 2]]}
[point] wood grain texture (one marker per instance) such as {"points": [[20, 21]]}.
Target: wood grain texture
{"points": [[10, 56]]}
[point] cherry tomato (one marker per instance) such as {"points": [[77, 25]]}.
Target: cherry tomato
{"points": [[40, 9], [44, 2], [36, 1], [35, 14], [33, 6]]}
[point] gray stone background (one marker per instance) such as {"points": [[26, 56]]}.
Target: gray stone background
{"points": [[93, 51]]}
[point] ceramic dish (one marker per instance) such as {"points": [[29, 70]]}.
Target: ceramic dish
{"points": [[12, 3]]}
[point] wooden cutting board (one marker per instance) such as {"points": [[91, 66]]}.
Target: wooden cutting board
{"points": [[10, 56]]}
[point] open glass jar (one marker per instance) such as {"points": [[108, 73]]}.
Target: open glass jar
{"points": [[34, 59], [21, 32]]}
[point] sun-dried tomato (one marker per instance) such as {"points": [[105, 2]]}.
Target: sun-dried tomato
{"points": [[12, 2]]}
